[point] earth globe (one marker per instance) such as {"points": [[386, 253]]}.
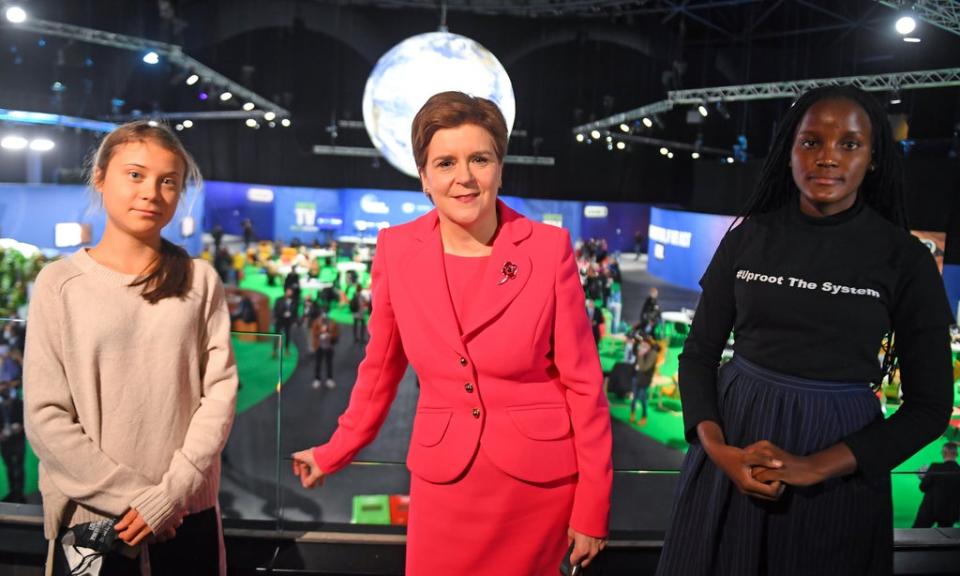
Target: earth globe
{"points": [[417, 68]]}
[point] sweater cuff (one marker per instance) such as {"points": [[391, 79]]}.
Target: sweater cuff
{"points": [[155, 507], [590, 516], [868, 465]]}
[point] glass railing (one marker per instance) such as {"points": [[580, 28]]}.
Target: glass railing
{"points": [[282, 408]]}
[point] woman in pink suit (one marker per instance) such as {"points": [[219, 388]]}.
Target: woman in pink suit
{"points": [[512, 431]]}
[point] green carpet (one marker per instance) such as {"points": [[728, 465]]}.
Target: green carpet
{"points": [[255, 279]]}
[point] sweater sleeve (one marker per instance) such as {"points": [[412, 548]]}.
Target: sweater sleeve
{"points": [[921, 318], [578, 364], [210, 425], [73, 462], [703, 348], [377, 376]]}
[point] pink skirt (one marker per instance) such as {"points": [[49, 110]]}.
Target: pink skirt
{"points": [[488, 523]]}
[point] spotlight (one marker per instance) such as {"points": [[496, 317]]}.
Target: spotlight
{"points": [[905, 25], [595, 134], [203, 95], [269, 116], [579, 137], [41, 145], [178, 127], [895, 98], [151, 58], [702, 110], [251, 123], [695, 155], [16, 15], [670, 155], [192, 79], [624, 128], [13, 143], [188, 123], [729, 159], [58, 87], [722, 109], [664, 151], [911, 39], [609, 138], [249, 106], [153, 123], [285, 122], [621, 145], [226, 95], [647, 122]]}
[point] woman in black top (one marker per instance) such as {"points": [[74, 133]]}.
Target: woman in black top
{"points": [[788, 468]]}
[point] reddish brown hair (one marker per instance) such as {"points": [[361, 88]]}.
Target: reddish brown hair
{"points": [[169, 275], [453, 109]]}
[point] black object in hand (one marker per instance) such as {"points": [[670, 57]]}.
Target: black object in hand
{"points": [[568, 569], [99, 536]]}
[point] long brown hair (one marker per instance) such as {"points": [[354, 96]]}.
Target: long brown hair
{"points": [[169, 274]]}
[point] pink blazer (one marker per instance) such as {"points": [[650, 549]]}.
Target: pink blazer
{"points": [[523, 378]]}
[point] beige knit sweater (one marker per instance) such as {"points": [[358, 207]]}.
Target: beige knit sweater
{"points": [[127, 404]]}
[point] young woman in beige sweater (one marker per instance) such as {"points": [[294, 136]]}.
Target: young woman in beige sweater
{"points": [[129, 378]]}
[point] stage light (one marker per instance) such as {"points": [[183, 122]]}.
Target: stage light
{"points": [[13, 143], [609, 138], [251, 123], [42, 145], [249, 106], [895, 98], [905, 25], [16, 15], [621, 145], [192, 79], [224, 96], [595, 134], [647, 122], [151, 58], [188, 123], [269, 116], [664, 151], [624, 128], [730, 160], [911, 39], [203, 95], [702, 110], [58, 87], [153, 123], [670, 155], [579, 137], [285, 122], [178, 127], [695, 155]]}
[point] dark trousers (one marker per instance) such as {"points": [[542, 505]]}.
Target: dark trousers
{"points": [[323, 356], [13, 449], [359, 329], [195, 551]]}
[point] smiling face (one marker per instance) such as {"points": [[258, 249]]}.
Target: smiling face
{"points": [[462, 175], [140, 188], [831, 155]]}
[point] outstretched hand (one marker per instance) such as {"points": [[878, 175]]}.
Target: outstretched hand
{"points": [[305, 468]]}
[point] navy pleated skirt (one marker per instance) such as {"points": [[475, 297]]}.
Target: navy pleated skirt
{"points": [[841, 526]]}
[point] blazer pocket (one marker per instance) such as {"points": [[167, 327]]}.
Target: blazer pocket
{"points": [[430, 426], [541, 422]]}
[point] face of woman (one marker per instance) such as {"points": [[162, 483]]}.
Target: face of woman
{"points": [[462, 174], [830, 156], [140, 188]]}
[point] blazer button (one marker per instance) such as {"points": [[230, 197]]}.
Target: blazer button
{"points": [[468, 387], [463, 361], [476, 412]]}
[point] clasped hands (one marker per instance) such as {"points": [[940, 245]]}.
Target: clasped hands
{"points": [[763, 470], [133, 530]]}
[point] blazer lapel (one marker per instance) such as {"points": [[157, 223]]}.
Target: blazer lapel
{"points": [[501, 285], [426, 283]]}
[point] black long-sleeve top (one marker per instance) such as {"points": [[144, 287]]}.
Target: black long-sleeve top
{"points": [[814, 297]]}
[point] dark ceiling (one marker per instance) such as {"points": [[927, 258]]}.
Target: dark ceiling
{"points": [[570, 62]]}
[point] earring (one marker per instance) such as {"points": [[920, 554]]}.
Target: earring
{"points": [[873, 167]]}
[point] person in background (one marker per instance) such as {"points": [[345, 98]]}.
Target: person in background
{"points": [[129, 376], [646, 366], [285, 317], [595, 315], [940, 485], [324, 333]]}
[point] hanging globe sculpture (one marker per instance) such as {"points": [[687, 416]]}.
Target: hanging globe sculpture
{"points": [[417, 68]]}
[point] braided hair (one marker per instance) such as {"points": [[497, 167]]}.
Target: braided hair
{"points": [[881, 189]]}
